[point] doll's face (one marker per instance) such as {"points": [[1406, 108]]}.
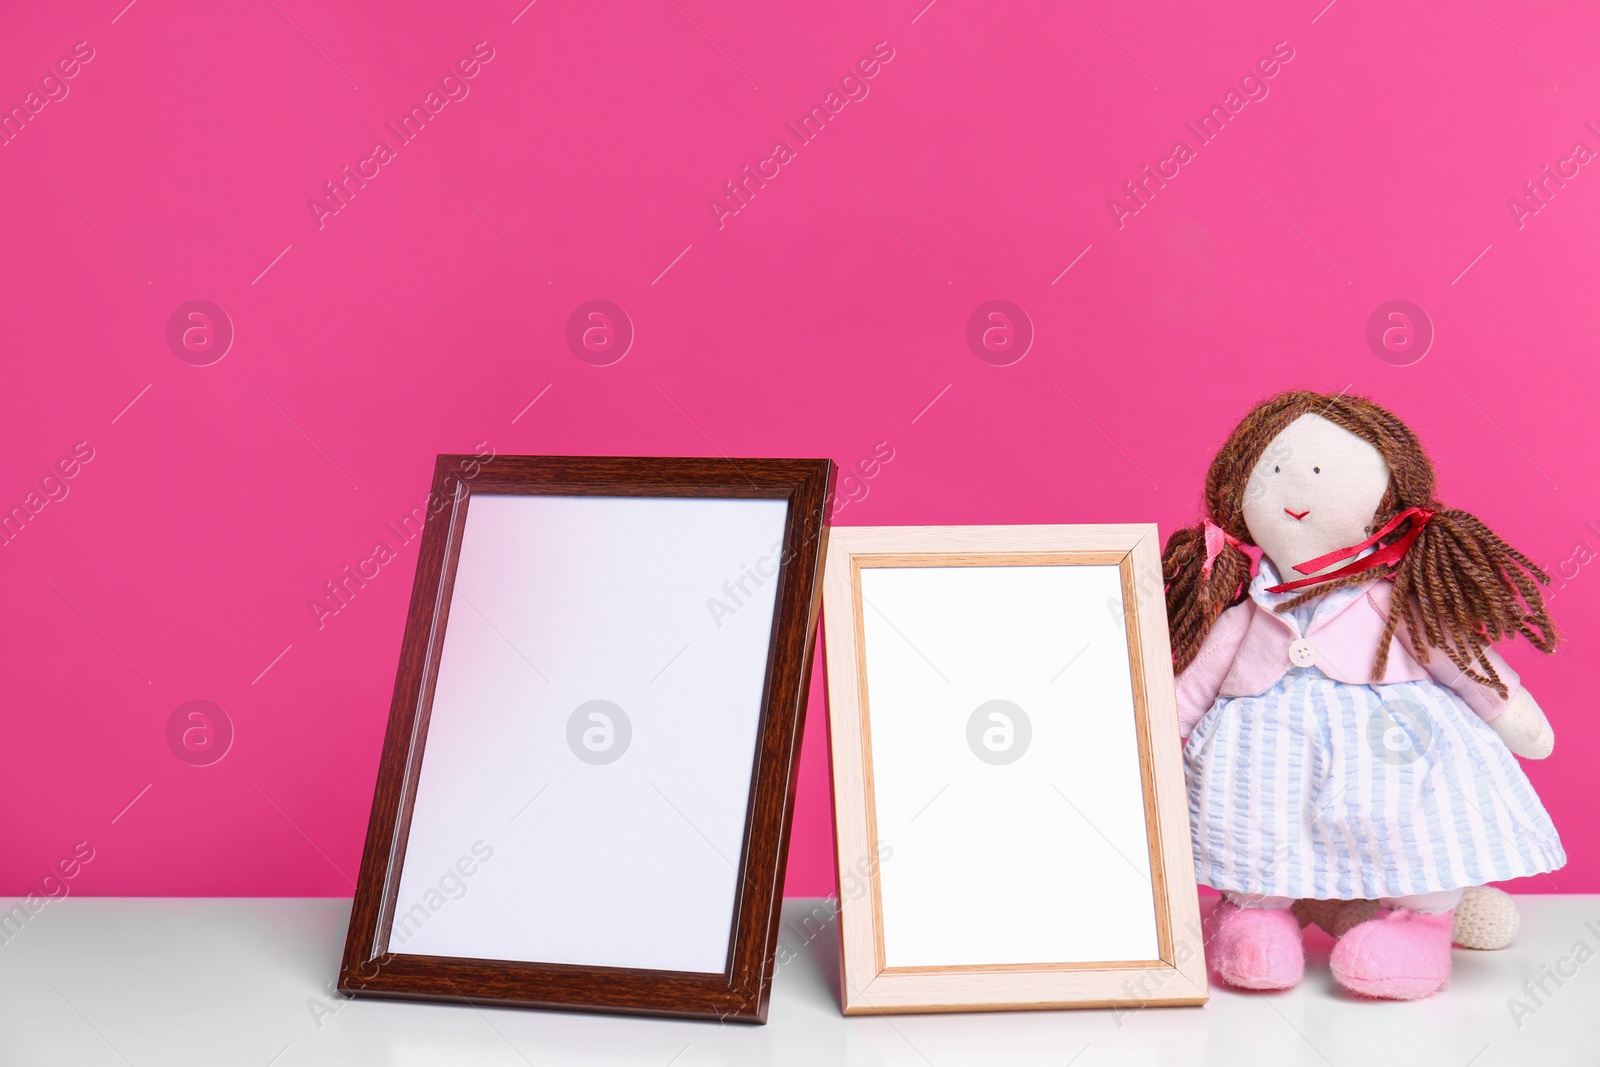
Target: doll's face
{"points": [[1315, 489]]}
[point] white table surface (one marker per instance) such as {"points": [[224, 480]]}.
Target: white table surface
{"points": [[169, 982]]}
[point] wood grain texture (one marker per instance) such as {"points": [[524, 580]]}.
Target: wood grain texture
{"points": [[740, 993], [867, 986], [1171, 821], [1141, 729]]}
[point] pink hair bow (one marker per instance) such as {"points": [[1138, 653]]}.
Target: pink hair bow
{"points": [[1216, 538]]}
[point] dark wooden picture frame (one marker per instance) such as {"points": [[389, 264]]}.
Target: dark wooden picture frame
{"points": [[740, 992]]}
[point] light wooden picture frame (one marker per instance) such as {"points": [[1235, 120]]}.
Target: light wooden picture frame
{"points": [[1009, 803]]}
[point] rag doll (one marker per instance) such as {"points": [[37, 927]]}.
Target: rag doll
{"points": [[1350, 729]]}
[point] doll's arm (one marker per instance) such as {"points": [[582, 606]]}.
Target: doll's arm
{"points": [[1524, 728], [1201, 681], [1517, 718]]}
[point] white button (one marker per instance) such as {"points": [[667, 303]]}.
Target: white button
{"points": [[1302, 653]]}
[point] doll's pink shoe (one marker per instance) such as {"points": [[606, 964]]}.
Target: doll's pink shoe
{"points": [[1257, 948], [1397, 955]]}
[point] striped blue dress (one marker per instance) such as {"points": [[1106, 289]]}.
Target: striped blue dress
{"points": [[1331, 790]]}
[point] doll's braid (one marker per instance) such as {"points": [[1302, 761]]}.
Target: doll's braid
{"points": [[1459, 588], [1195, 599]]}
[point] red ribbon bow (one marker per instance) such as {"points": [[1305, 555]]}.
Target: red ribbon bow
{"points": [[1384, 556]]}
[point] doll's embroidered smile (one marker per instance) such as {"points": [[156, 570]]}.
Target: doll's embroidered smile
{"points": [[1298, 515]]}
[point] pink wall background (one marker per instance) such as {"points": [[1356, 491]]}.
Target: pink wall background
{"points": [[827, 315]]}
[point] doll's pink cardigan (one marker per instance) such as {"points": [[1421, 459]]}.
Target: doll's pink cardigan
{"points": [[1250, 648]]}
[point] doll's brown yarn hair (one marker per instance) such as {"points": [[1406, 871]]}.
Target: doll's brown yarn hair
{"points": [[1459, 588]]}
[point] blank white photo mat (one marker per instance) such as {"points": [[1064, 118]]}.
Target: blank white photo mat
{"points": [[988, 857], [587, 768]]}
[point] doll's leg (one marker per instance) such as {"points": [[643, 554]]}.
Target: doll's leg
{"points": [[1255, 943], [1426, 903], [1334, 917], [1403, 953]]}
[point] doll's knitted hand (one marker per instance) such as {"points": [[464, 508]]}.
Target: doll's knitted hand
{"points": [[1523, 727]]}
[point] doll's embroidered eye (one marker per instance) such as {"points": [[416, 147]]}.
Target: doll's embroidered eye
{"points": [[1274, 470]]}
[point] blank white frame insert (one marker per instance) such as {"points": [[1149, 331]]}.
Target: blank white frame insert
{"points": [[584, 788]]}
